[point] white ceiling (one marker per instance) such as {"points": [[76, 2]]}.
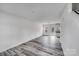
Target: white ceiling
{"points": [[38, 12]]}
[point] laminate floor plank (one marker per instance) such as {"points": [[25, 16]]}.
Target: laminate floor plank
{"points": [[41, 46]]}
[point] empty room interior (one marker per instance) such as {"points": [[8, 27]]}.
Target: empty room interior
{"points": [[39, 29]]}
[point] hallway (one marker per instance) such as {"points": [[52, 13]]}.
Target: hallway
{"points": [[41, 46]]}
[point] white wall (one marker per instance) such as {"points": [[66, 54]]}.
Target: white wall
{"points": [[70, 41], [16, 30]]}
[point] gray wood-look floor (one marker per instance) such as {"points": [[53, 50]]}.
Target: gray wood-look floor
{"points": [[41, 46]]}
